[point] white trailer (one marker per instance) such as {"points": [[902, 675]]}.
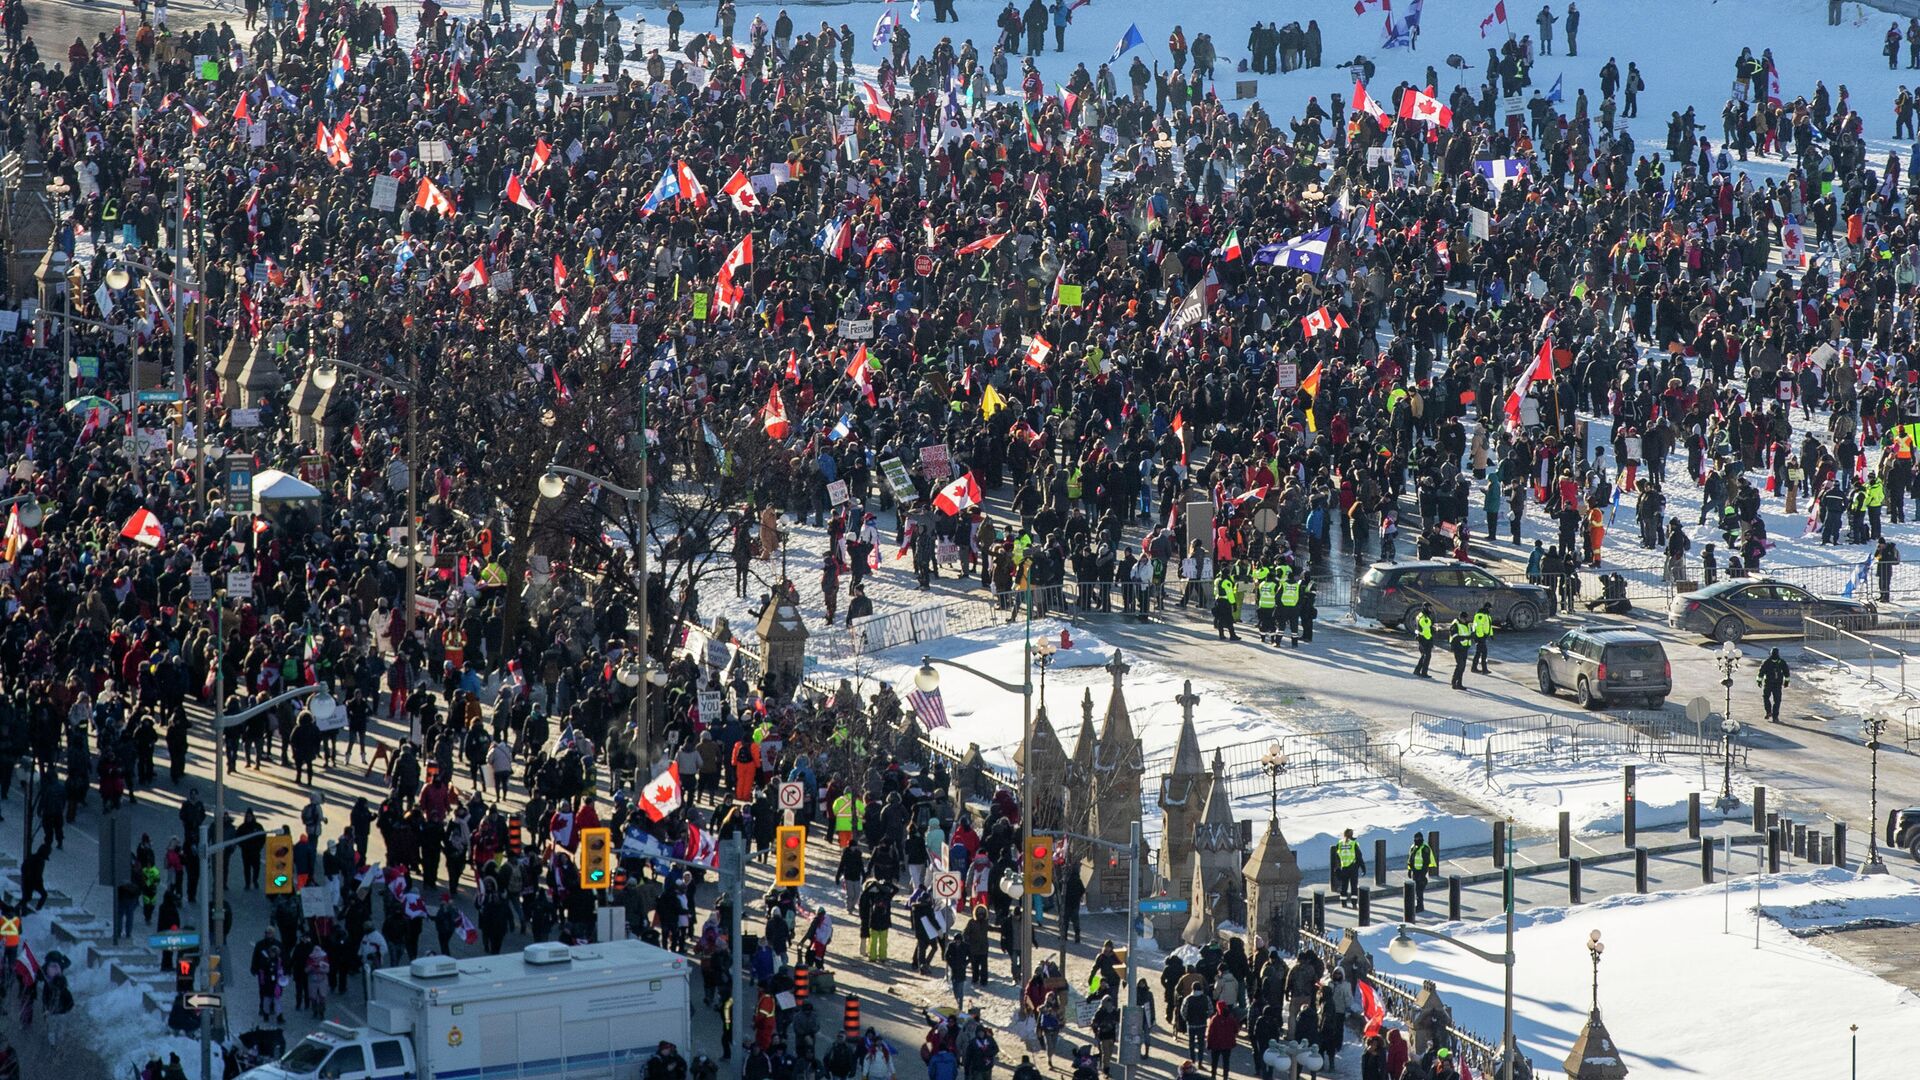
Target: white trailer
{"points": [[550, 1012]]}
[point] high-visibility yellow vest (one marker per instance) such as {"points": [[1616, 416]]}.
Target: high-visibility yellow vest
{"points": [[1347, 851], [1269, 592], [1290, 594], [10, 932], [1423, 626], [1482, 624], [1420, 858]]}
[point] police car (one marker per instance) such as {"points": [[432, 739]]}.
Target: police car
{"points": [[1392, 592], [1735, 608]]}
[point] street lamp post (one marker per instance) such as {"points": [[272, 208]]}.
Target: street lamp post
{"points": [[326, 375], [1403, 948], [553, 485], [1729, 727], [1274, 764], [927, 680], [322, 706], [1594, 948], [1873, 727], [1728, 660]]}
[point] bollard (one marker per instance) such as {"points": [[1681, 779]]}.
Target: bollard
{"points": [[1366, 906], [1573, 881], [851, 1023], [1706, 860], [1499, 845], [1566, 834], [1799, 840], [1839, 843], [1760, 819], [1380, 862], [1333, 866], [1406, 901], [1826, 850], [1693, 815], [1319, 911], [1453, 898], [1773, 850], [1627, 807], [1640, 870], [1433, 841]]}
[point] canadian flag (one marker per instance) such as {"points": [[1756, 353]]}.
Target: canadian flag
{"points": [[1499, 16], [962, 494], [463, 926], [690, 187], [542, 153], [430, 197], [774, 417], [1324, 319], [199, 118], [474, 276], [1444, 254], [741, 257], [1038, 349], [740, 189], [985, 243], [559, 271], [144, 529], [1420, 105], [861, 372], [416, 908], [517, 194], [1539, 371], [1365, 103], [664, 793], [876, 104]]}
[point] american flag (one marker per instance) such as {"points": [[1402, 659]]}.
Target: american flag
{"points": [[928, 707]]}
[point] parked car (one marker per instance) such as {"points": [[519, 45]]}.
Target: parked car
{"points": [[1743, 607], [1903, 830], [1607, 667], [1392, 592]]}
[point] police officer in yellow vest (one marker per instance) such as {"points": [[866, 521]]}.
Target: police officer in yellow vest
{"points": [[1423, 635], [10, 940], [1348, 866], [1420, 867], [848, 812], [1876, 498], [1226, 604], [1482, 634], [1290, 607], [1266, 596], [1460, 639]]}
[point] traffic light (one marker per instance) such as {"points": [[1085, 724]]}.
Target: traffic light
{"points": [[513, 835], [1037, 868], [790, 855], [183, 976], [213, 972], [280, 880], [596, 858]]}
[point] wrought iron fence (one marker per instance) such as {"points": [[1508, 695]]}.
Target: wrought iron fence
{"points": [[1401, 998], [1304, 759]]}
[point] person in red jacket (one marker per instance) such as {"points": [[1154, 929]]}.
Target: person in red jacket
{"points": [[1223, 1030]]}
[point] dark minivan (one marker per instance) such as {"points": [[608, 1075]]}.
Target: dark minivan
{"points": [[1607, 666]]}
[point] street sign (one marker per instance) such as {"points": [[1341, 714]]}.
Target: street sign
{"points": [[923, 265], [163, 397], [946, 885], [203, 1001], [792, 794], [1163, 907], [1699, 709], [174, 939]]}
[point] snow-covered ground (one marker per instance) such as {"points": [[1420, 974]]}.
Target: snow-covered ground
{"points": [[1549, 776], [1311, 816], [1686, 988]]}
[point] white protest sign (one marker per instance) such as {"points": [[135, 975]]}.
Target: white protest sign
{"points": [[386, 193]]}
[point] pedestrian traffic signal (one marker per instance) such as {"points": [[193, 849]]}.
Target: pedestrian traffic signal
{"points": [[1038, 866], [790, 855], [279, 865], [596, 858], [183, 976]]}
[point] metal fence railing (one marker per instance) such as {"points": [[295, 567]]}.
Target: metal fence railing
{"points": [[1401, 999], [1304, 759], [1536, 738], [1849, 641]]}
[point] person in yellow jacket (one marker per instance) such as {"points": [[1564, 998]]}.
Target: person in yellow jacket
{"points": [[1226, 604], [1482, 636], [1423, 636], [848, 811]]}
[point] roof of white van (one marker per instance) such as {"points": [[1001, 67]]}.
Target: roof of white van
{"points": [[585, 966]]}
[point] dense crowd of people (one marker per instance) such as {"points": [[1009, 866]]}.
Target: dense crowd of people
{"points": [[750, 277]]}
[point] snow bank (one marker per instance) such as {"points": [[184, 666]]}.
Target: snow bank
{"points": [[1686, 988]]}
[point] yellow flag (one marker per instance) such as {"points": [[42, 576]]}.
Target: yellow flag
{"points": [[991, 402]]}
